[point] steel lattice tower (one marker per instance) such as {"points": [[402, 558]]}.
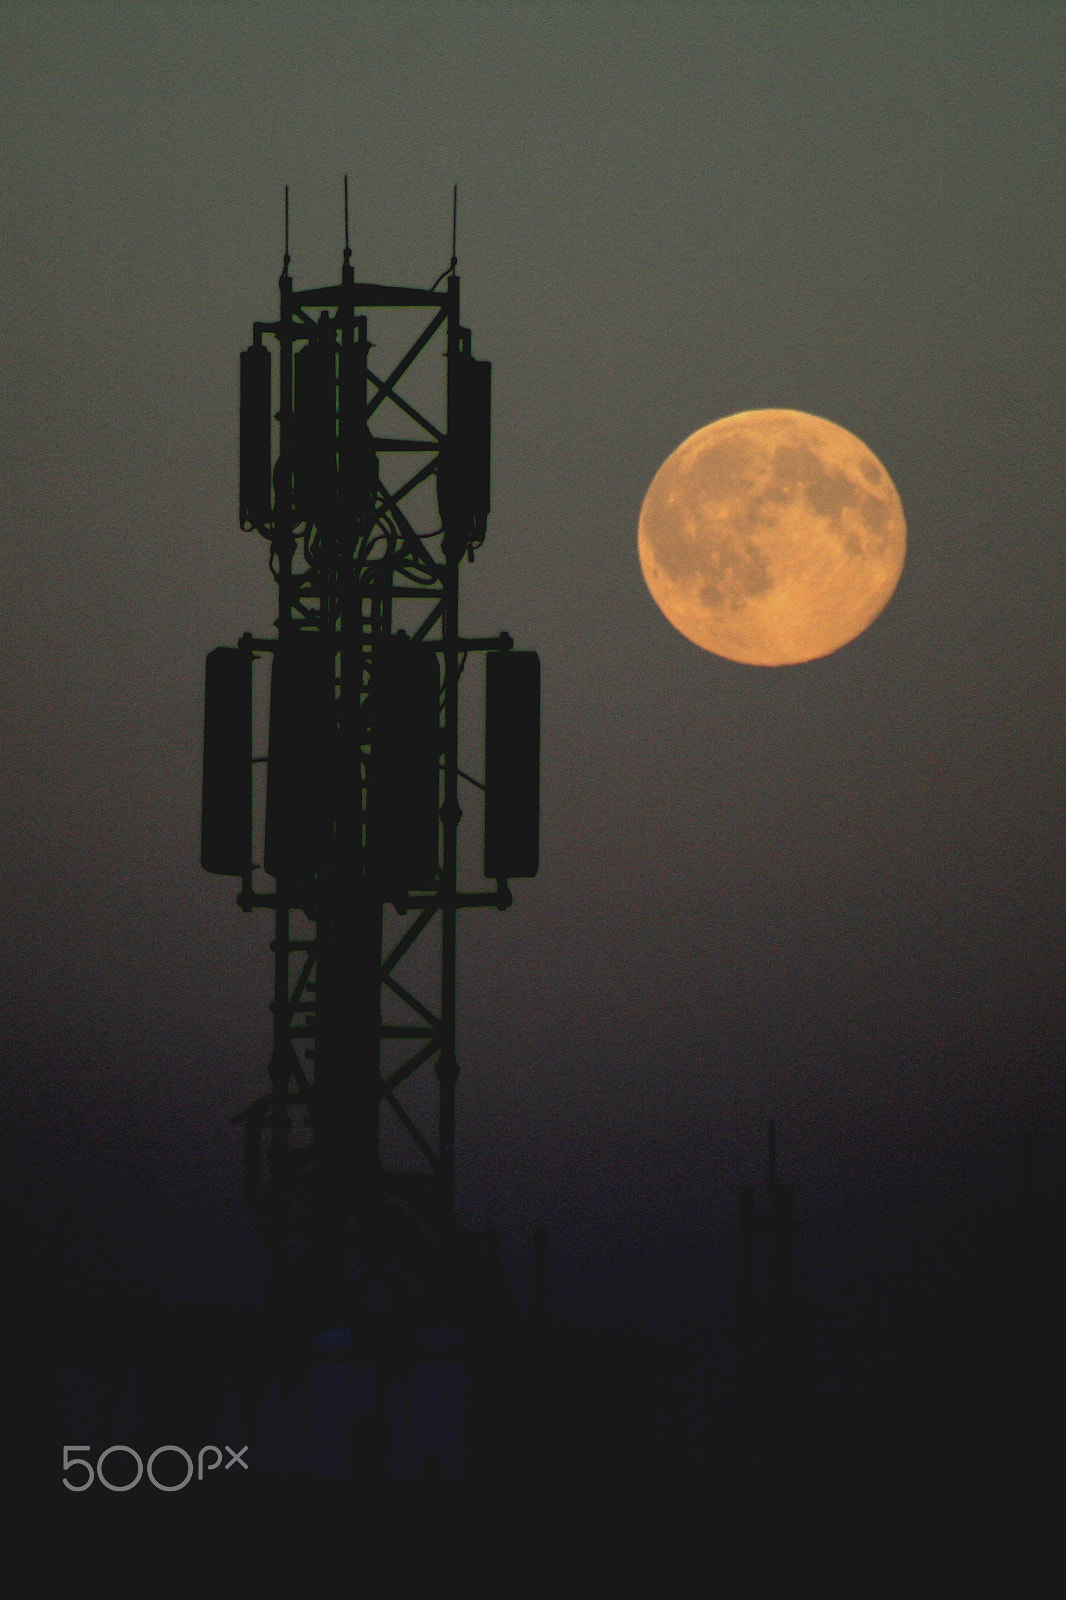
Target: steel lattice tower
{"points": [[365, 464]]}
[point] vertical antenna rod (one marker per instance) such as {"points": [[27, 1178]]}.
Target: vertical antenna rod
{"points": [[288, 258], [455, 209], [347, 242]]}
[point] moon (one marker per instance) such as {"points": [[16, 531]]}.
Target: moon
{"points": [[772, 537]]}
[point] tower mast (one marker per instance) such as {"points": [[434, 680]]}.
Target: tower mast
{"points": [[365, 423]]}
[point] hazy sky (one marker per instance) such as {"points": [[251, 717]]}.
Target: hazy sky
{"points": [[831, 894]]}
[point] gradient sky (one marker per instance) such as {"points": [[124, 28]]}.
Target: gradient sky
{"points": [[831, 894]]}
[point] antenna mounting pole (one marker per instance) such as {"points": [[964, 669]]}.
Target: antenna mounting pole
{"points": [[287, 258], [455, 211]]}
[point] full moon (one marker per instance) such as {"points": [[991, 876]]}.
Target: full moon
{"points": [[772, 537]]}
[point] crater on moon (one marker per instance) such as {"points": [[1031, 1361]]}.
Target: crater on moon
{"points": [[772, 537]]}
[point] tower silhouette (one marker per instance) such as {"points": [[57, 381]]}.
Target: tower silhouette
{"points": [[364, 435], [767, 1323]]}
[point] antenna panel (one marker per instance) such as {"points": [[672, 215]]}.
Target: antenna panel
{"points": [[315, 464], [302, 744], [226, 815], [404, 838], [256, 451], [512, 764]]}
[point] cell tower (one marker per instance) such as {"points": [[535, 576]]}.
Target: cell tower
{"points": [[364, 462]]}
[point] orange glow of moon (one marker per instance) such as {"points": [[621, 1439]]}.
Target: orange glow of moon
{"points": [[772, 537]]}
